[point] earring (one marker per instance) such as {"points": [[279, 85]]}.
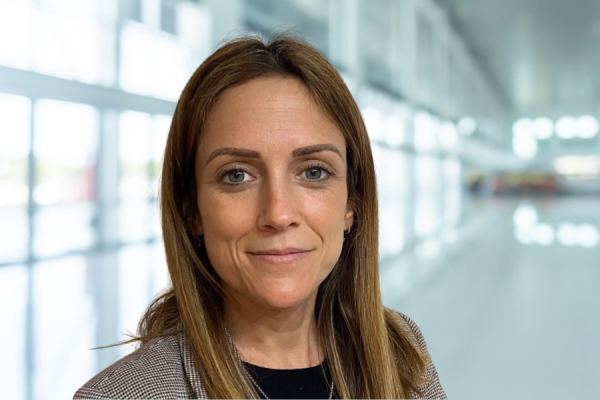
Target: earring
{"points": [[346, 231], [200, 241]]}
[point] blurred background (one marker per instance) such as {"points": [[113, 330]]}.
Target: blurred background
{"points": [[483, 121]]}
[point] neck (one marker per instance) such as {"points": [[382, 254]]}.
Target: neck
{"points": [[271, 338]]}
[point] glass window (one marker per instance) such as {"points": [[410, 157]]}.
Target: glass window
{"points": [[64, 328], [135, 286], [16, 31], [391, 170], [13, 313], [74, 6], [162, 124], [428, 204], [136, 221], [452, 191], [307, 16], [427, 215], [135, 144], [427, 174], [63, 227], [162, 280], [425, 38], [374, 121], [155, 227], [168, 17], [13, 233], [153, 63], [72, 46], [448, 135], [65, 148], [15, 117], [396, 126], [130, 9], [375, 41], [391, 230], [426, 132]]}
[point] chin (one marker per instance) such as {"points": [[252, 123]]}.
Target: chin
{"points": [[282, 299]]}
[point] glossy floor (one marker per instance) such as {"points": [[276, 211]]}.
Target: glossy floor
{"points": [[512, 310], [508, 305]]}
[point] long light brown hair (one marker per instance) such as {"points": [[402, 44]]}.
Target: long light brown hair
{"points": [[369, 352]]}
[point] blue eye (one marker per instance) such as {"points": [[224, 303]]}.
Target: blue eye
{"points": [[316, 172], [234, 176], [237, 175]]}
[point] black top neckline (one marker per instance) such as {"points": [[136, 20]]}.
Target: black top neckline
{"points": [[300, 383]]}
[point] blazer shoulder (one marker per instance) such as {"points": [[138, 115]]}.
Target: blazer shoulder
{"points": [[411, 326], [153, 371], [433, 388]]}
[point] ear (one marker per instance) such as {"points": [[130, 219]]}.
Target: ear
{"points": [[349, 218]]}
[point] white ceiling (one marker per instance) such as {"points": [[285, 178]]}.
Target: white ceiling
{"points": [[544, 55]]}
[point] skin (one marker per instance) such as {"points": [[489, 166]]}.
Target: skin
{"points": [[282, 201]]}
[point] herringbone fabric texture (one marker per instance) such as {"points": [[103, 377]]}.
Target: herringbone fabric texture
{"points": [[164, 369]]}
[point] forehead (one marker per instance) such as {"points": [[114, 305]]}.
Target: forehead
{"points": [[270, 114]]}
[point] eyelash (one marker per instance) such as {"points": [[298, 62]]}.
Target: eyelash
{"points": [[238, 169]]}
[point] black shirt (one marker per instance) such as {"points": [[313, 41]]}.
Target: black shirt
{"points": [[304, 383]]}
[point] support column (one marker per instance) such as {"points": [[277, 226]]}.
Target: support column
{"points": [[106, 268]]}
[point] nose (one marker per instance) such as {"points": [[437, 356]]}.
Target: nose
{"points": [[279, 209]]}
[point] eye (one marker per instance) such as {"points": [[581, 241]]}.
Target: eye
{"points": [[233, 176], [313, 173], [316, 172]]}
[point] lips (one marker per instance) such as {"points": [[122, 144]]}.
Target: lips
{"points": [[283, 256], [279, 252]]}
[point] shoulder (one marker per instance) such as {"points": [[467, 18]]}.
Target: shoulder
{"points": [[411, 327], [155, 370], [433, 388]]}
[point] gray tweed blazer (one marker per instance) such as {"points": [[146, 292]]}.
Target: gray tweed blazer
{"points": [[164, 369]]}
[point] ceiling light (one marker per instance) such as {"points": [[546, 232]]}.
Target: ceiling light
{"points": [[542, 128], [587, 127], [543, 234], [578, 165], [588, 235], [522, 126], [373, 118], [566, 128], [425, 132], [524, 236], [567, 234], [394, 131], [449, 136], [525, 145], [525, 216]]}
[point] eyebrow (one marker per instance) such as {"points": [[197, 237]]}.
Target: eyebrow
{"points": [[299, 152]]}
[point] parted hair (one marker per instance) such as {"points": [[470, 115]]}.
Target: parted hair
{"points": [[369, 351]]}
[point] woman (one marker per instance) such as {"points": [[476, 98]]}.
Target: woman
{"points": [[269, 216]]}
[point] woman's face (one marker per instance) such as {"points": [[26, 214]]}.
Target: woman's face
{"points": [[271, 174]]}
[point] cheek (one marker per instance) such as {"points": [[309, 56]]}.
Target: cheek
{"points": [[324, 214], [225, 216], [325, 211], [225, 219]]}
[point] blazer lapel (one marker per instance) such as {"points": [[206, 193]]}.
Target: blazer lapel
{"points": [[191, 372]]}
